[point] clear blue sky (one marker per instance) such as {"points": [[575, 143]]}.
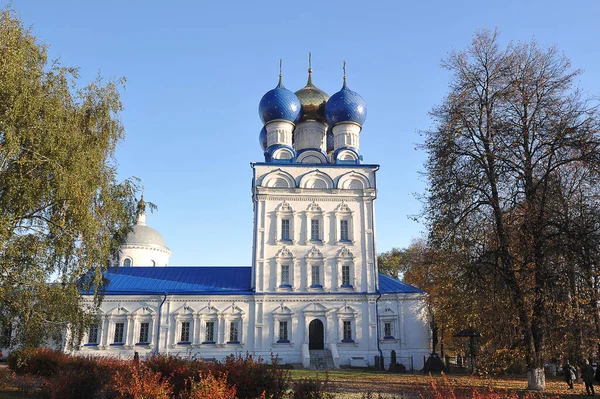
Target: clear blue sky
{"points": [[196, 71]]}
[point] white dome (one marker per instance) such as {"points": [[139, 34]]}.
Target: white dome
{"points": [[142, 235], [144, 246]]}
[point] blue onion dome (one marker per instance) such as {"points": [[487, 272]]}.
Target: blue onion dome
{"points": [[262, 139], [312, 101], [279, 104], [346, 106]]}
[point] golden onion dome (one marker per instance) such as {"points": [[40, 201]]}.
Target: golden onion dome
{"points": [[312, 101]]}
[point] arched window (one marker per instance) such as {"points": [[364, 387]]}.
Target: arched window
{"points": [[153, 263], [127, 262]]}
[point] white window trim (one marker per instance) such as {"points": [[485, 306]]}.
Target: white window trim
{"points": [[185, 315], [210, 314], [285, 258], [314, 212], [389, 316], [144, 315], [346, 258], [314, 257], [285, 212], [127, 258], [234, 314], [283, 313], [118, 315], [343, 212], [347, 313]]}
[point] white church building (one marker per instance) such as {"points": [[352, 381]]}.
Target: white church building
{"points": [[312, 294]]}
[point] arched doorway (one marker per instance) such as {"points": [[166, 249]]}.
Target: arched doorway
{"points": [[316, 335]]}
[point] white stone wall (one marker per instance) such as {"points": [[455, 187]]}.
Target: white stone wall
{"points": [[258, 316], [302, 193]]}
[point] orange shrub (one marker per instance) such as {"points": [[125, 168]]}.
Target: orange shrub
{"points": [[210, 387], [139, 382]]}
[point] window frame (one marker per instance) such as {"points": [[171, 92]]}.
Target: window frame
{"points": [[343, 213], [234, 328], [282, 314], [184, 333], [314, 213], [212, 331], [116, 324], [141, 333], [285, 212], [96, 341], [185, 315]]}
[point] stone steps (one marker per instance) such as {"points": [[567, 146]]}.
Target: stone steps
{"points": [[321, 360]]}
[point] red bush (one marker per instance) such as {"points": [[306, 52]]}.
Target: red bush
{"points": [[139, 382], [40, 361], [211, 387], [179, 371], [253, 378]]}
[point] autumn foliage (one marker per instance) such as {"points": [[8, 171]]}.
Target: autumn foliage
{"points": [[160, 376]]}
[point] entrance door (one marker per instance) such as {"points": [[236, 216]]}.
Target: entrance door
{"points": [[315, 335]]}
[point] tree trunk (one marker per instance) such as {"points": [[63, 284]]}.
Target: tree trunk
{"points": [[536, 380]]}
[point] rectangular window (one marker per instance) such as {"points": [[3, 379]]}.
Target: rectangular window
{"points": [[347, 331], [314, 230], [93, 335], [144, 332], [344, 230], [233, 332], [387, 329], [283, 331], [185, 331], [315, 275], [119, 330], [285, 230], [285, 274], [210, 332], [346, 275]]}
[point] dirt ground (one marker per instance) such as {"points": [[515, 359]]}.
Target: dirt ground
{"points": [[354, 384]]}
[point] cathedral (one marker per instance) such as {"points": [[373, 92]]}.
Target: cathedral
{"points": [[312, 295]]}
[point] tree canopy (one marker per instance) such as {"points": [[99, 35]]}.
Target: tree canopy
{"points": [[62, 212], [512, 199]]}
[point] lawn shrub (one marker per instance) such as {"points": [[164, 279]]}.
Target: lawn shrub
{"points": [[137, 381], [82, 377], [210, 387], [313, 388], [179, 371], [253, 378], [40, 361]]}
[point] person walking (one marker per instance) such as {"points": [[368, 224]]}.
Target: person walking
{"points": [[569, 372], [587, 373]]}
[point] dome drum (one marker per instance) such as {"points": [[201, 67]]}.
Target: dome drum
{"points": [[310, 135], [346, 135], [279, 132]]}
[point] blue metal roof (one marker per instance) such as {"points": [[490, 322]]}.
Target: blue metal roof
{"points": [[204, 280], [173, 280], [389, 285]]}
